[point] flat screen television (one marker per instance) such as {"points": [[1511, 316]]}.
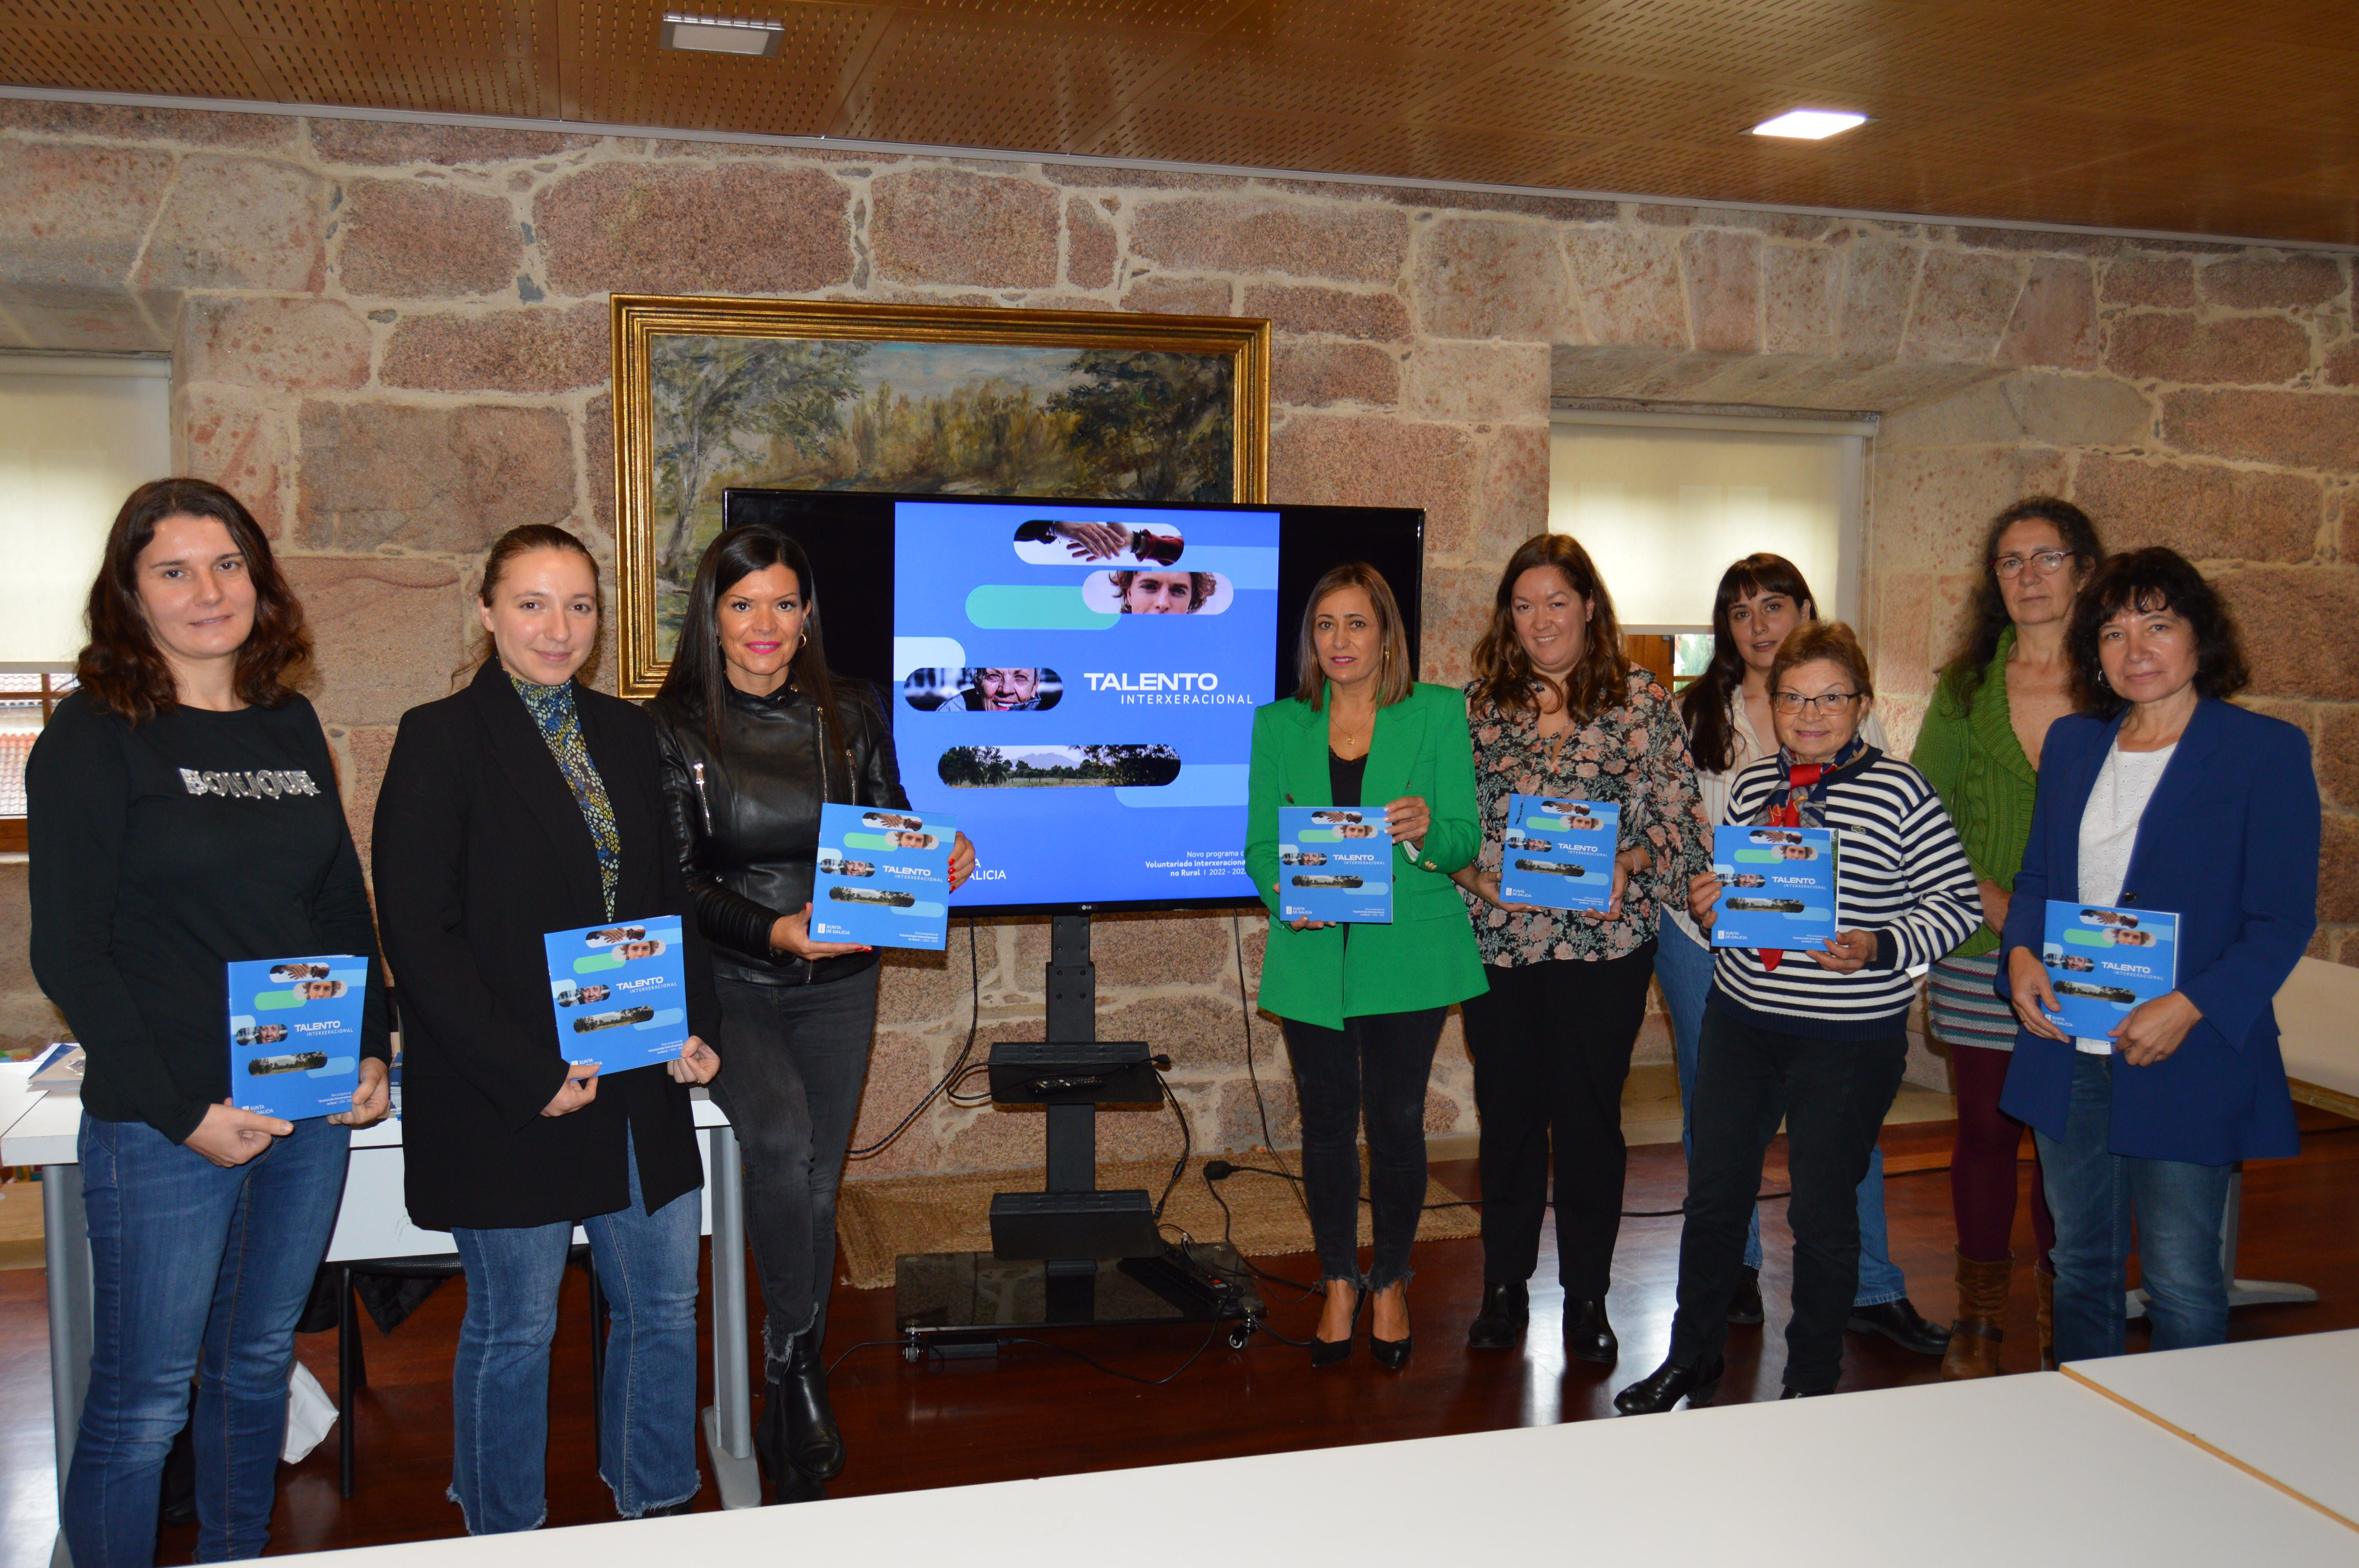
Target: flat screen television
{"points": [[1075, 681]]}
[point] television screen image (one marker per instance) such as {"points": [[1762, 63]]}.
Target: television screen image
{"points": [[1075, 681]]}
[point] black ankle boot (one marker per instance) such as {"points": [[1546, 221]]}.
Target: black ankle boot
{"points": [[770, 1434], [1744, 1308], [814, 1442], [1587, 1336], [1669, 1383], [1506, 1309]]}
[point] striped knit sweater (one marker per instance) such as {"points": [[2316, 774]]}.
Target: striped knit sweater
{"points": [[1902, 874], [1970, 753]]}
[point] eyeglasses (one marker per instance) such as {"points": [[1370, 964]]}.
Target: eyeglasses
{"points": [[2010, 567], [1825, 702]]}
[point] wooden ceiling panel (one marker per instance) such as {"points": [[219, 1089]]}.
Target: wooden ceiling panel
{"points": [[2181, 115]]}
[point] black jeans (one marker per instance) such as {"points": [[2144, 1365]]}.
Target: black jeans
{"points": [[1376, 1064], [1831, 1095], [793, 1059], [1551, 1044]]}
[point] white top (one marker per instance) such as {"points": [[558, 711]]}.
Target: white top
{"points": [[1744, 747], [2109, 826]]}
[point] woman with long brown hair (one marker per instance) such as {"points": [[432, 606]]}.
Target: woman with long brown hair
{"points": [[1556, 708], [757, 735], [1364, 1005], [183, 818]]}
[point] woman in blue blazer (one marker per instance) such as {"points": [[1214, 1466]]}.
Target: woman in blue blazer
{"points": [[2160, 794]]}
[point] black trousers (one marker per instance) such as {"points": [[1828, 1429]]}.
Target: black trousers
{"points": [[1375, 1066], [1552, 1045], [1832, 1095]]}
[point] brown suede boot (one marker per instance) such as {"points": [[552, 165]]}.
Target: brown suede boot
{"points": [[1982, 1313], [2043, 1284]]}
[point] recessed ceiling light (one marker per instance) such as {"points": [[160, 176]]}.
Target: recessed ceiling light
{"points": [[1809, 125], [722, 35]]}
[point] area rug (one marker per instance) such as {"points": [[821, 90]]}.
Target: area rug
{"points": [[878, 1221]]}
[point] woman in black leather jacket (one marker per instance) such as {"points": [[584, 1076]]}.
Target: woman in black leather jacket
{"points": [[757, 735]]}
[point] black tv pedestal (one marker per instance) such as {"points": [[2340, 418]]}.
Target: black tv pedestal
{"points": [[1074, 1256]]}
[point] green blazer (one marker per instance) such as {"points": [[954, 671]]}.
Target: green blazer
{"points": [[1426, 958]]}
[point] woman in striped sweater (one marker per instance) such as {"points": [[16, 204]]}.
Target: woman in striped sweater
{"points": [[1980, 748], [1816, 1039]]}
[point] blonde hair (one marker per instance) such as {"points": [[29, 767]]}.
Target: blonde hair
{"points": [[1393, 678]]}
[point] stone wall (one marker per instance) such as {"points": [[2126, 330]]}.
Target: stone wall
{"points": [[391, 340]]}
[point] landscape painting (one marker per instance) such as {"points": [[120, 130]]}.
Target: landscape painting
{"points": [[814, 395]]}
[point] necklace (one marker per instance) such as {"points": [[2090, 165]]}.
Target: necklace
{"points": [[1349, 743]]}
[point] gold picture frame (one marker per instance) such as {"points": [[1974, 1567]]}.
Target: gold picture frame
{"points": [[824, 410]]}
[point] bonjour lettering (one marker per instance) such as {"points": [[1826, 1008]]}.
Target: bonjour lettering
{"points": [[260, 783]]}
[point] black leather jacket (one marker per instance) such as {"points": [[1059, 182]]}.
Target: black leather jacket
{"points": [[746, 819]]}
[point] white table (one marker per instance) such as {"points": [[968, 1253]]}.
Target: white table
{"points": [[42, 1130], [2035, 1468], [2286, 1410]]}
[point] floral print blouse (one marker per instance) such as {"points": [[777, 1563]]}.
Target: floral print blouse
{"points": [[1634, 755]]}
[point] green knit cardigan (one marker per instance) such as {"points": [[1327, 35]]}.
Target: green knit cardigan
{"points": [[1968, 753]]}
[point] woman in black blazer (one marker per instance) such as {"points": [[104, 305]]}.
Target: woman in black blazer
{"points": [[524, 804]]}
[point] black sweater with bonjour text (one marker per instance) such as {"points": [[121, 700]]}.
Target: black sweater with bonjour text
{"points": [[161, 853]]}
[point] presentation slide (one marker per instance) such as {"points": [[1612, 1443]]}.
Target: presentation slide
{"points": [[1075, 683]]}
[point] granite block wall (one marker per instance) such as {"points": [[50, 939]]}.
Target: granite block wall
{"points": [[391, 340]]}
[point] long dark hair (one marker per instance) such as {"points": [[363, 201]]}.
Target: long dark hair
{"points": [[1504, 670], [2153, 579], [1986, 616], [696, 688], [1706, 703], [121, 666]]}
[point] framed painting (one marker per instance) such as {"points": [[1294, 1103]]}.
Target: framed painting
{"points": [[825, 394]]}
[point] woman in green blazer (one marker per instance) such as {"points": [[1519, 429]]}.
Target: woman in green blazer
{"points": [[1363, 1005]]}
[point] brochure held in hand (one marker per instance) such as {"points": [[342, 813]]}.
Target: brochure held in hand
{"points": [[1334, 863], [295, 1034], [620, 992], [1558, 853], [884, 878], [1776, 887], [2103, 961]]}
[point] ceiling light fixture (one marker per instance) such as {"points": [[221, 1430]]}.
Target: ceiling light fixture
{"points": [[722, 35], [1809, 125]]}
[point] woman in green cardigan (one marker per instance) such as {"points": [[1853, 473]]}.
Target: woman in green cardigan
{"points": [[1363, 1005], [1980, 748]]}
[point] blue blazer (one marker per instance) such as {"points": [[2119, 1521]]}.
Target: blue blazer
{"points": [[2229, 844]]}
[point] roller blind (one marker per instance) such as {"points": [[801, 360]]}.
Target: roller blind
{"points": [[1663, 510], [76, 436]]}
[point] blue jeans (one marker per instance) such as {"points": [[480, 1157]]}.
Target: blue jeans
{"points": [[2094, 1194], [1683, 967], [198, 1273], [499, 1383]]}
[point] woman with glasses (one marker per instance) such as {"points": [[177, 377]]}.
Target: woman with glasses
{"points": [[1816, 1039], [1981, 749], [1761, 598]]}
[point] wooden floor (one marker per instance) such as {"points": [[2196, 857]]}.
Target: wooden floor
{"points": [[1036, 1413]]}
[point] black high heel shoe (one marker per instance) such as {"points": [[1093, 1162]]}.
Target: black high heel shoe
{"points": [[1392, 1355], [1335, 1352], [1669, 1383], [814, 1442]]}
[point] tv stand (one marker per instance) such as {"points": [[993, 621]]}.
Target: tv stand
{"points": [[1074, 1255]]}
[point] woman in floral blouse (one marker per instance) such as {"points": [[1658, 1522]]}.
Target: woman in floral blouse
{"points": [[1556, 709]]}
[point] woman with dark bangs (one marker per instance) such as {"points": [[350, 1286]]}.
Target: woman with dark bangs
{"points": [[184, 818], [1760, 600], [1556, 708], [2160, 795]]}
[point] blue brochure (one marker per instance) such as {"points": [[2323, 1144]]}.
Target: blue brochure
{"points": [[884, 878], [1558, 853], [2102, 962], [1777, 887], [620, 994], [295, 1034], [1334, 862]]}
